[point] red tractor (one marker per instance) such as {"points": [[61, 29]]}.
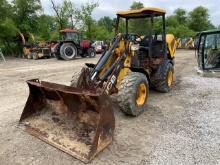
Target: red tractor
{"points": [[72, 45]]}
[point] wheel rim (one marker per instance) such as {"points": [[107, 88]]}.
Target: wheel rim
{"points": [[170, 78], [141, 94], [92, 54], [69, 51]]}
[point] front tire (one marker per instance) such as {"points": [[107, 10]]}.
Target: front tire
{"points": [[133, 93], [68, 51]]}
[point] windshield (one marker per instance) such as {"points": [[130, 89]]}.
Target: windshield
{"points": [[143, 27], [212, 51], [70, 36]]}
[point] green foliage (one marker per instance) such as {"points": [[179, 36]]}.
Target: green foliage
{"points": [[7, 25], [62, 13], [106, 22], [177, 24], [180, 31], [137, 5], [158, 26], [69, 15], [25, 14], [8, 29], [100, 33], [183, 24], [4, 9], [54, 36], [140, 26], [46, 25], [171, 21], [181, 15], [86, 15], [143, 23], [199, 19], [121, 27]]}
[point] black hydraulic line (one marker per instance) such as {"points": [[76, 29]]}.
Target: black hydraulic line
{"points": [[108, 72], [106, 56], [113, 66]]}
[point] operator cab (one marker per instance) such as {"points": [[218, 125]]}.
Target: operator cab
{"points": [[152, 39], [69, 35]]}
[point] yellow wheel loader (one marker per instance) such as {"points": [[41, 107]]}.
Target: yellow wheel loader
{"points": [[79, 119]]}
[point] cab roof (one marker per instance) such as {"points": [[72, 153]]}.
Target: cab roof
{"points": [[210, 31], [141, 13]]}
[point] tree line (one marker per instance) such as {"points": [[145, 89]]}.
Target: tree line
{"points": [[27, 16]]}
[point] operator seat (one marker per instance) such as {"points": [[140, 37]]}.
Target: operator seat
{"points": [[145, 42]]}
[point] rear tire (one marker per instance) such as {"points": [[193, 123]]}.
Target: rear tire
{"points": [[68, 51], [91, 52], [166, 72], [133, 93]]}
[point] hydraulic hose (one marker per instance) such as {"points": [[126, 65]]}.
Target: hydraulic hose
{"points": [[105, 57]]}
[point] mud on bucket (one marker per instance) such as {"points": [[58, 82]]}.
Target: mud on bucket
{"points": [[78, 122]]}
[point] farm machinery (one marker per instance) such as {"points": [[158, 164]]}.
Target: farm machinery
{"points": [[34, 50], [186, 43], [72, 45], [79, 119]]}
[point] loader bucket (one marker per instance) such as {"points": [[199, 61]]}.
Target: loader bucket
{"points": [[76, 121]]}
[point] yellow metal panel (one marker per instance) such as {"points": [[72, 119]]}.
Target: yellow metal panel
{"points": [[137, 11], [171, 44], [123, 72], [26, 51]]}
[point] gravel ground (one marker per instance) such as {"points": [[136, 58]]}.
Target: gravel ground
{"points": [[180, 127]]}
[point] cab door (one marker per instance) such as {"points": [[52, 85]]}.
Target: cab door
{"points": [[211, 52]]}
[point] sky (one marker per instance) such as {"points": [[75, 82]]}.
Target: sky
{"points": [[110, 7]]}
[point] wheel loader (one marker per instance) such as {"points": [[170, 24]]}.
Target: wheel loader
{"points": [[79, 119]]}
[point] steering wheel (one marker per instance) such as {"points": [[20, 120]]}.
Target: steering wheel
{"points": [[132, 36]]}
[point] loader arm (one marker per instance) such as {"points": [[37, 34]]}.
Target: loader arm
{"points": [[110, 69]]}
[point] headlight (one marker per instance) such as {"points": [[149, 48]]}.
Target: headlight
{"points": [[135, 47]]}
